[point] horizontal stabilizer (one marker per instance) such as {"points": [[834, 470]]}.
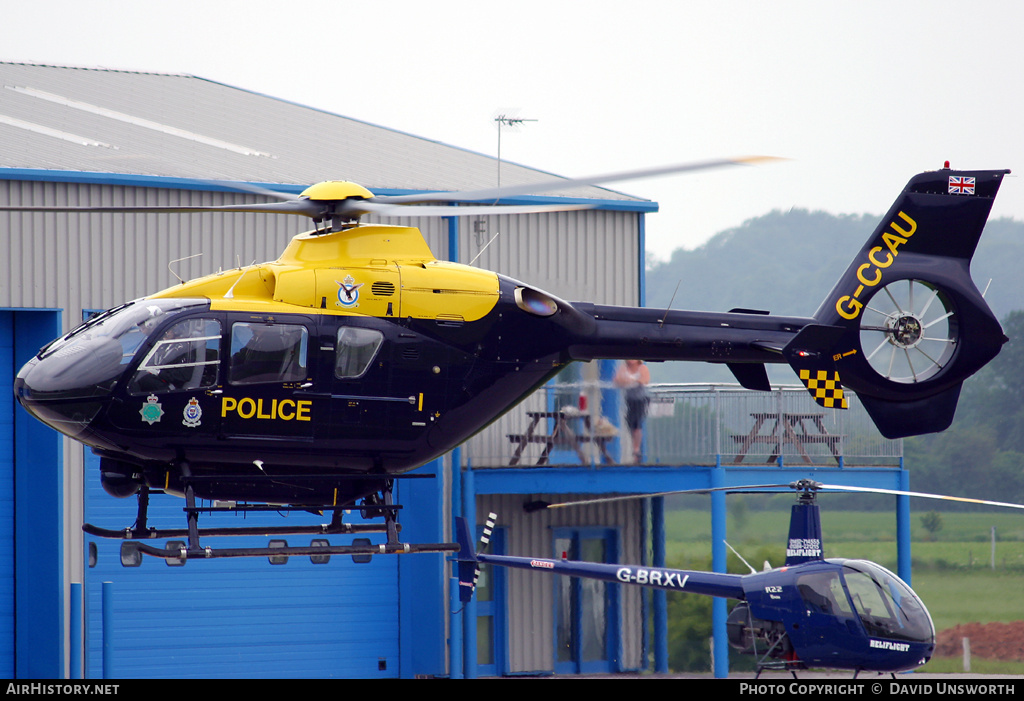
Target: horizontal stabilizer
{"points": [[751, 376], [814, 339], [810, 355], [740, 310]]}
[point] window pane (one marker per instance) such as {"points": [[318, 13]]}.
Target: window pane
{"points": [[822, 592], [564, 635], [186, 357], [356, 350], [887, 607], [484, 590], [485, 640], [267, 353], [593, 604]]}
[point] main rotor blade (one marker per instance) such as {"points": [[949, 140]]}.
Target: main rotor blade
{"points": [[294, 206], [252, 189], [924, 495], [398, 205], [310, 208], [564, 183], [415, 210]]}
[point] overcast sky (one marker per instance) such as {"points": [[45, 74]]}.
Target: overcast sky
{"points": [[860, 96]]}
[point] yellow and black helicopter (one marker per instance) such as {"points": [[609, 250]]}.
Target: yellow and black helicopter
{"points": [[312, 382]]}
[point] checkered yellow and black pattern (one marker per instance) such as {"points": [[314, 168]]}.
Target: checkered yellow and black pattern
{"points": [[825, 387]]}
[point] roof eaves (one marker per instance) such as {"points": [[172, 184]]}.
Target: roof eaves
{"points": [[175, 183]]}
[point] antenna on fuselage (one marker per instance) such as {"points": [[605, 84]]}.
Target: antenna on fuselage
{"points": [[669, 307], [752, 570], [230, 294], [178, 260]]}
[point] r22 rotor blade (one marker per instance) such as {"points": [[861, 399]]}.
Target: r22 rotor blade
{"points": [[923, 495], [536, 506]]}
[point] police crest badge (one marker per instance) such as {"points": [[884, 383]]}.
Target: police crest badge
{"points": [[193, 413], [151, 410]]}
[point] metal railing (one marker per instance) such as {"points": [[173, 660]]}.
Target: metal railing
{"points": [[583, 424]]}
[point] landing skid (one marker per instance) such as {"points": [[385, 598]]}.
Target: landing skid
{"points": [[155, 534], [177, 553], [174, 552], [791, 666]]}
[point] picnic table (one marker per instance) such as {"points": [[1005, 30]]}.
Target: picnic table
{"points": [[558, 431], [798, 429]]}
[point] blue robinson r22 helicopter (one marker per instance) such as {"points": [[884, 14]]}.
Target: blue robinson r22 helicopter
{"points": [[811, 612]]}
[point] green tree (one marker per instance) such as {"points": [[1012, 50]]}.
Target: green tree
{"points": [[982, 454], [689, 632], [932, 522]]}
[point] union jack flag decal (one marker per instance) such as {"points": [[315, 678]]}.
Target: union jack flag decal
{"points": [[959, 185]]}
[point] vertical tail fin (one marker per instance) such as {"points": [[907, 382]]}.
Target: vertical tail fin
{"points": [[805, 543], [469, 569], [469, 565], [905, 324]]}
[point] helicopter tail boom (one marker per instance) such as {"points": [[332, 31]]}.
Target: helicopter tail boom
{"points": [[903, 327], [697, 582]]}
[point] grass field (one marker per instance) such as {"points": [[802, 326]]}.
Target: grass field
{"points": [[945, 556], [971, 594], [955, 665], [692, 525], [951, 570]]}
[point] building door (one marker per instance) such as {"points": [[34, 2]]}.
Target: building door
{"points": [[586, 625], [31, 513]]}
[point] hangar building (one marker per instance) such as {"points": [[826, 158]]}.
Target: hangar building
{"points": [[84, 136]]}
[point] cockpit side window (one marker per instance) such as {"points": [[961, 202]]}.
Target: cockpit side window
{"points": [[357, 348], [822, 592], [267, 353], [185, 357]]}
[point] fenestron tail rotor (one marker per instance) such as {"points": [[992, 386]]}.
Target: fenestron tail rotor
{"points": [[909, 331]]}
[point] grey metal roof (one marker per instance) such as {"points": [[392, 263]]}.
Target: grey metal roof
{"points": [[180, 126]]}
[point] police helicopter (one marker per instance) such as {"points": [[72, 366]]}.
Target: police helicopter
{"points": [[811, 612], [314, 381]]}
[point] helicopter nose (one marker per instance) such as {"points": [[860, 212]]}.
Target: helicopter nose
{"points": [[70, 417], [67, 388]]}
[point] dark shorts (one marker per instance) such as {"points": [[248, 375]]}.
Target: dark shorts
{"points": [[636, 412]]}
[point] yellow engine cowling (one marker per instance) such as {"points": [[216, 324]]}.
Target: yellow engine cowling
{"points": [[375, 270]]}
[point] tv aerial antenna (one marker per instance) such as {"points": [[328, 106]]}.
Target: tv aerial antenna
{"points": [[502, 119], [509, 121]]}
